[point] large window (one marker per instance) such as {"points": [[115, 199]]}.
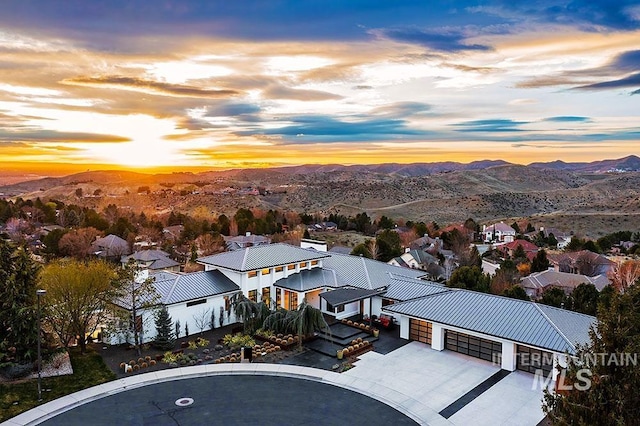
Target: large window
{"points": [[420, 331], [253, 295], [474, 346], [293, 300], [266, 294], [227, 304], [278, 298]]}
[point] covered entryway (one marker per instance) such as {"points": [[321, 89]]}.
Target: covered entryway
{"points": [[420, 331], [477, 347], [345, 302]]}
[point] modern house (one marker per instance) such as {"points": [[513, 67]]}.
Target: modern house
{"points": [[536, 283], [519, 335], [516, 334], [195, 300]]}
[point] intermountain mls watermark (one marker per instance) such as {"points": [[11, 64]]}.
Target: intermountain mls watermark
{"points": [[543, 377]]}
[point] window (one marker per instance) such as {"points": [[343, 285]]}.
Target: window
{"points": [[278, 298], [293, 301], [253, 274], [227, 304], [291, 267], [314, 262], [266, 271], [303, 264], [387, 302], [279, 268], [196, 302], [266, 294], [340, 308], [253, 295]]}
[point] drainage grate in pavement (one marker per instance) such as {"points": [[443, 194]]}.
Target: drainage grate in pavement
{"points": [[465, 399]]}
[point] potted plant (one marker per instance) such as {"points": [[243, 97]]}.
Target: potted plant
{"points": [[339, 353]]}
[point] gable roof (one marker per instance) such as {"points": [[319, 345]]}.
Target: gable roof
{"points": [[175, 288], [526, 246], [362, 272], [158, 259], [262, 256], [343, 296], [402, 288], [499, 227], [520, 321], [550, 277], [573, 256]]}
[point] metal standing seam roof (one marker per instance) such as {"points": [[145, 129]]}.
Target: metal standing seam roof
{"points": [[520, 321], [309, 279], [260, 257], [176, 288], [362, 272], [402, 288], [343, 296]]}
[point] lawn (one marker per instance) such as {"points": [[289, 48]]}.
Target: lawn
{"points": [[88, 370]]}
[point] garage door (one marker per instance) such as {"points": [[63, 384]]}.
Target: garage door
{"points": [[531, 360], [473, 346], [420, 331]]}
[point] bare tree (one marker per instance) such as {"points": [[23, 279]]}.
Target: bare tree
{"points": [[625, 275], [202, 319], [374, 248], [77, 243]]}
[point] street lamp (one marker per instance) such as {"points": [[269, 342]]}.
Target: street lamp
{"points": [[39, 294]]}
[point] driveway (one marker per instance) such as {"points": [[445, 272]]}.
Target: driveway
{"points": [[439, 380]]}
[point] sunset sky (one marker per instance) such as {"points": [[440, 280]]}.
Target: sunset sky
{"points": [[211, 84]]}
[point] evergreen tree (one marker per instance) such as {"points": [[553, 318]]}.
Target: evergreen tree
{"points": [[554, 296], [18, 330], [584, 299], [516, 292], [611, 394], [177, 324], [470, 278], [164, 330], [540, 262]]}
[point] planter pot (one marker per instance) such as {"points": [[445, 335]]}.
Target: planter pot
{"points": [[376, 333], [339, 354]]}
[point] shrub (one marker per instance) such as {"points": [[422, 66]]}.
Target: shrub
{"points": [[143, 365], [170, 357], [16, 371], [238, 340], [152, 362], [136, 367], [122, 364], [192, 344]]}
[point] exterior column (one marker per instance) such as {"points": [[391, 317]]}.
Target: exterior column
{"points": [[509, 356], [404, 327], [437, 337]]}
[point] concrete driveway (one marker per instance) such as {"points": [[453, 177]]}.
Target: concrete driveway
{"points": [[439, 380]]}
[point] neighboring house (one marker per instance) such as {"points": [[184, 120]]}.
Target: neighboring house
{"points": [[110, 247], [529, 248], [498, 233], [489, 267], [243, 241], [153, 260], [517, 334], [420, 259], [583, 262], [172, 232], [537, 283], [426, 242], [323, 226], [190, 299], [340, 250]]}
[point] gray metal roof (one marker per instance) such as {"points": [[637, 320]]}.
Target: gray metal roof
{"points": [[361, 272], [309, 279], [176, 288], [342, 296], [550, 277], [511, 319], [403, 288], [259, 257]]}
